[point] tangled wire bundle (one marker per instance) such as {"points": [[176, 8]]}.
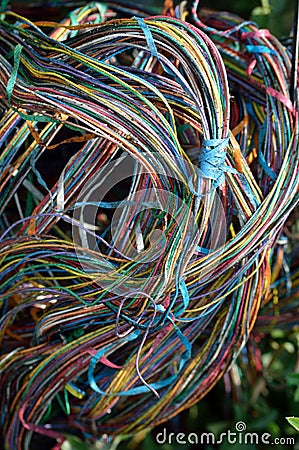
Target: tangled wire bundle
{"points": [[143, 198]]}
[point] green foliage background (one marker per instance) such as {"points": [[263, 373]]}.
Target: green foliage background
{"points": [[275, 396]]}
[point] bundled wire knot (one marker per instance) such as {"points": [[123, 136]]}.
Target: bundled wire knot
{"points": [[212, 160]]}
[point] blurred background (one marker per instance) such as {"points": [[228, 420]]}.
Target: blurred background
{"points": [[276, 15]]}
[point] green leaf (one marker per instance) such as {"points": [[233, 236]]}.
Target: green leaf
{"points": [[293, 379], [259, 11], [238, 446], [277, 333], [262, 422], [73, 443], [294, 421]]}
